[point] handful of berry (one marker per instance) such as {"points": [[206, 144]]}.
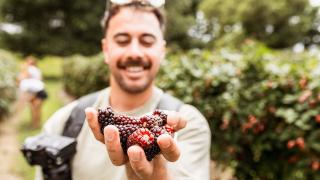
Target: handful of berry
{"points": [[142, 131]]}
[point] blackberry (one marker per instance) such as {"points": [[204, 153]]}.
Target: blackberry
{"points": [[152, 152], [142, 131], [157, 130], [148, 121], [105, 117], [162, 115], [125, 131]]}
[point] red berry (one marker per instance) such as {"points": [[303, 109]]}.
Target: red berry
{"points": [[291, 144], [270, 84], [318, 97], [305, 95], [315, 165], [300, 142], [293, 159], [303, 82], [142, 137], [312, 103], [225, 124], [272, 109], [252, 119], [317, 118]]}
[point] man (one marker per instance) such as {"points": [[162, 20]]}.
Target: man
{"points": [[134, 48]]}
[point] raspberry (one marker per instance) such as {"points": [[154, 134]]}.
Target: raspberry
{"points": [[145, 139], [142, 131], [142, 137]]}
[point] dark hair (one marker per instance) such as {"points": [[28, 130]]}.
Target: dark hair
{"points": [[115, 9]]}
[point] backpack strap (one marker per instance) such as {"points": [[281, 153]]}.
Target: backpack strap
{"points": [[76, 119]]}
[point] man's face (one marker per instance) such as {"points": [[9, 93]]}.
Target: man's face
{"points": [[133, 48]]}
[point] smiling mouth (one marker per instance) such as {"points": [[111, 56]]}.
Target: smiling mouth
{"points": [[134, 65], [134, 69]]}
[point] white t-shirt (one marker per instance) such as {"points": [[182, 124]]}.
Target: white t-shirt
{"points": [[92, 162], [34, 72], [31, 85]]}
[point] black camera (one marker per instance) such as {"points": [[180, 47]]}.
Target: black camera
{"points": [[52, 152]]}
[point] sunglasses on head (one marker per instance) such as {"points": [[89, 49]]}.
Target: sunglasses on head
{"points": [[152, 3]]}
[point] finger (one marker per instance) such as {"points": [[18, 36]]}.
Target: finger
{"points": [[176, 121], [92, 119], [169, 148], [112, 141], [140, 165]]}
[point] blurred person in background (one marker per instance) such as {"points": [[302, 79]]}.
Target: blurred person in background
{"points": [[134, 48], [31, 90]]}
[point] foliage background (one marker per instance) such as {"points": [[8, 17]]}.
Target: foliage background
{"points": [[7, 82], [73, 26], [261, 104], [252, 68]]}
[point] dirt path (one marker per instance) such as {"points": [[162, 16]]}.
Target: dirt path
{"points": [[9, 149]]}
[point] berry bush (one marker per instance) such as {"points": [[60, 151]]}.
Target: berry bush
{"points": [[263, 107], [8, 71]]}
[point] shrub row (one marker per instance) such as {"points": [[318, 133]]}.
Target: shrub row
{"points": [[262, 105], [7, 82], [82, 75]]}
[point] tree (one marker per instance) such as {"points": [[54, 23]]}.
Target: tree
{"points": [[277, 23], [64, 27], [59, 27], [180, 17]]}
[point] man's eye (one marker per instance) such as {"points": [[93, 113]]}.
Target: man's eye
{"points": [[122, 40], [147, 40]]}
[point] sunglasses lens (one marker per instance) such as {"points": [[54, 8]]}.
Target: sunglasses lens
{"points": [[154, 3], [157, 3], [120, 2]]}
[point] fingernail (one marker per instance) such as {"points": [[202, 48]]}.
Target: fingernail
{"points": [[88, 114], [136, 155], [109, 136], [166, 144]]}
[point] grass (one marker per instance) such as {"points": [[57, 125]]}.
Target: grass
{"points": [[51, 67]]}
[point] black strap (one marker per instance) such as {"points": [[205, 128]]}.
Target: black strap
{"points": [[76, 119]]}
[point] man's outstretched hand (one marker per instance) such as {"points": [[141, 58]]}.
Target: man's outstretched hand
{"points": [[137, 165]]}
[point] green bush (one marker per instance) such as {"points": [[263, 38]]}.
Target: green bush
{"points": [[8, 72], [262, 107], [82, 75]]}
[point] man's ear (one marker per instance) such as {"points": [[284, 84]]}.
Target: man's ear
{"points": [[105, 50]]}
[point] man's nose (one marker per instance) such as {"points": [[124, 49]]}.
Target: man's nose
{"points": [[135, 50]]}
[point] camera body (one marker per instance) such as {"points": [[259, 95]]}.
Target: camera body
{"points": [[52, 152]]}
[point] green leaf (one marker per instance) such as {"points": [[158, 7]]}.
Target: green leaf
{"points": [[288, 114]]}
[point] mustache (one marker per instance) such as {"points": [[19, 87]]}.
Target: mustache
{"points": [[134, 62]]}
